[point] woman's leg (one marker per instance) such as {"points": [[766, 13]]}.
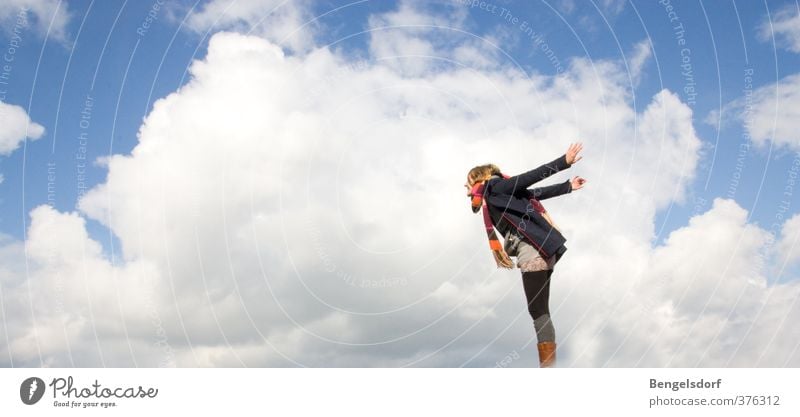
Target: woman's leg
{"points": [[537, 292]]}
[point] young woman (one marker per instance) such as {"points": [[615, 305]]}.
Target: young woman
{"points": [[529, 232]]}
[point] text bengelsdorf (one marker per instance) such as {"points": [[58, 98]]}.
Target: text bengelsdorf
{"points": [[677, 385]]}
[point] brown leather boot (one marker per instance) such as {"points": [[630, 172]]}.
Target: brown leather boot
{"points": [[547, 354]]}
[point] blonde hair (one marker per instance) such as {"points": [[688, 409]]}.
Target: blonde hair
{"points": [[482, 173]]}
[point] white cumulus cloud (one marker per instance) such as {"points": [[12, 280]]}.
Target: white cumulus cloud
{"points": [[770, 114], [308, 209], [640, 55], [784, 27], [788, 246], [287, 23], [15, 126], [48, 18]]}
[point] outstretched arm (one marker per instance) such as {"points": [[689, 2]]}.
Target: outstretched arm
{"points": [[520, 182], [566, 187], [543, 193]]}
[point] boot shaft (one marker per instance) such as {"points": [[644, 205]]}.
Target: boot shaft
{"points": [[547, 354]]}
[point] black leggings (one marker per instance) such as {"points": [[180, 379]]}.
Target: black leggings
{"points": [[537, 292]]}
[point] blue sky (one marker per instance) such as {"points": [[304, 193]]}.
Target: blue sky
{"points": [[124, 72], [250, 111]]}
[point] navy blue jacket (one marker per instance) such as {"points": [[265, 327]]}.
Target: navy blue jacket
{"points": [[511, 210]]}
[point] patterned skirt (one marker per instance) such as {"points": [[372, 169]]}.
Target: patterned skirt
{"points": [[528, 258]]}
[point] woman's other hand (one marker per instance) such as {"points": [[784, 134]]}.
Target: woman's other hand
{"points": [[577, 183], [572, 153]]}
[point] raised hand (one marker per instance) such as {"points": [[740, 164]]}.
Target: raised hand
{"points": [[577, 183], [572, 153]]}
